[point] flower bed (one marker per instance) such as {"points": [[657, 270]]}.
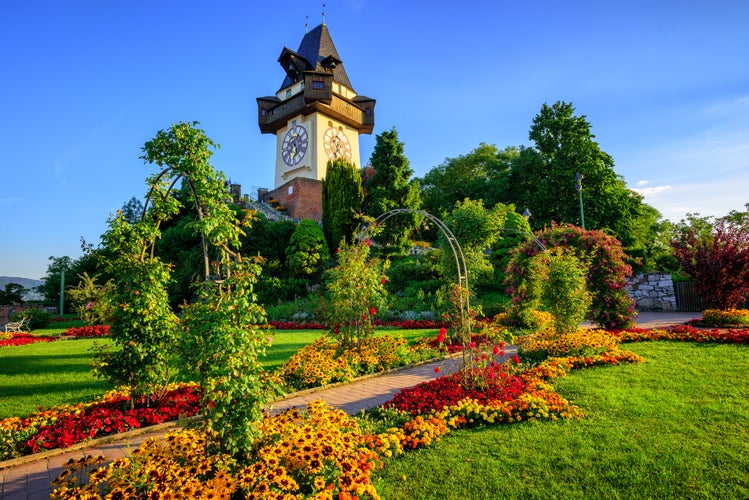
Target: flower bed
{"points": [[87, 331], [65, 426], [684, 333], [25, 338], [321, 453], [728, 317]]}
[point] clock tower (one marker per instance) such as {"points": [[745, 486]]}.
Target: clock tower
{"points": [[316, 117]]}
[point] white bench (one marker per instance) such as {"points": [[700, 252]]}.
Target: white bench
{"points": [[18, 326]]}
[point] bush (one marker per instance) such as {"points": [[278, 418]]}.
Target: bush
{"points": [[726, 317], [299, 310], [38, 318]]}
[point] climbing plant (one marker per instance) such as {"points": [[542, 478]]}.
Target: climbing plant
{"points": [[220, 340], [607, 276]]}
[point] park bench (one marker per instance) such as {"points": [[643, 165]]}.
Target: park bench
{"points": [[18, 326]]}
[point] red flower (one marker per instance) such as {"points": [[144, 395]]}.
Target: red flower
{"points": [[441, 335], [372, 311], [437, 369]]}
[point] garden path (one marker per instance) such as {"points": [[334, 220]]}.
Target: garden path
{"points": [[29, 478]]}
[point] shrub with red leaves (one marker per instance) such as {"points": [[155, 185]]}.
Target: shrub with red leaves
{"points": [[719, 262]]}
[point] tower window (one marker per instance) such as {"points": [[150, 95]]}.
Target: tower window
{"points": [[318, 85]]}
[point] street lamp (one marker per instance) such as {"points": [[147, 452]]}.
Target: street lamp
{"points": [[579, 189], [526, 214]]}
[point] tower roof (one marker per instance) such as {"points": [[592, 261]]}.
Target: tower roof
{"points": [[316, 53]]}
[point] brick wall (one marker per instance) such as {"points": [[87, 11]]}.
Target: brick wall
{"points": [[302, 198], [5, 316]]}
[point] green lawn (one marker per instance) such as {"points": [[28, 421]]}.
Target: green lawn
{"points": [[676, 426], [55, 373]]}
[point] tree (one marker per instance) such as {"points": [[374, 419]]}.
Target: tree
{"points": [[390, 187], [476, 229], [342, 197], [718, 261], [482, 174], [12, 295], [543, 178], [308, 251], [132, 210]]}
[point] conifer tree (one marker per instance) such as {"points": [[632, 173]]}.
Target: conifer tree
{"points": [[342, 198], [391, 187]]}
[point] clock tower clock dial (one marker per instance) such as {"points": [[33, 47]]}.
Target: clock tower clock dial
{"points": [[336, 144], [294, 145]]}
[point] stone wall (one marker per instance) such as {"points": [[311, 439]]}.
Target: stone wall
{"points": [[653, 292]]}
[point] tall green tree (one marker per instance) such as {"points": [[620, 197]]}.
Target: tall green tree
{"points": [[481, 174], [391, 187], [543, 178], [342, 198]]}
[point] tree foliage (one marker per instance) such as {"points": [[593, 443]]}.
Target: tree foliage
{"points": [[516, 230], [476, 229], [12, 295], [543, 178], [718, 259], [342, 197], [481, 174], [390, 187]]}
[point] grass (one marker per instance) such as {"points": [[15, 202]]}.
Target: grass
{"points": [[673, 427], [48, 374]]}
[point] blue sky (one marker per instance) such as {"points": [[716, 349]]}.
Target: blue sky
{"points": [[84, 84]]}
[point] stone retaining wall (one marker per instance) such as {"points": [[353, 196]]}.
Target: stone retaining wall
{"points": [[653, 292]]}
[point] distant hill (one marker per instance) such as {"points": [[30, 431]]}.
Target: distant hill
{"points": [[27, 283]]}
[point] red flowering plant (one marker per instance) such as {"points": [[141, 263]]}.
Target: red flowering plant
{"points": [[64, 426], [684, 333], [16, 339], [87, 331]]}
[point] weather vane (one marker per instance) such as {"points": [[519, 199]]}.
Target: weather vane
{"points": [[323, 13]]}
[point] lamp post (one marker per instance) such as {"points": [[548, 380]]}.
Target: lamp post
{"points": [[579, 189], [526, 214]]}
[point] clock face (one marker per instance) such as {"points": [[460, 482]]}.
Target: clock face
{"points": [[336, 144], [294, 145]]}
